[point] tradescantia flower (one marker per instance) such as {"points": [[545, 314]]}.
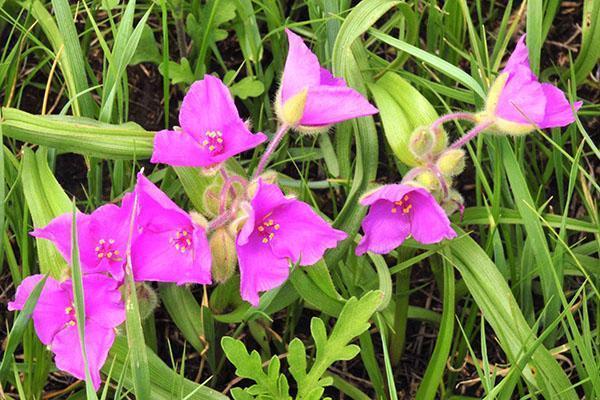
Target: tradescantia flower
{"points": [[102, 238], [518, 102], [56, 324], [170, 246], [397, 211], [279, 230], [211, 129], [310, 98]]}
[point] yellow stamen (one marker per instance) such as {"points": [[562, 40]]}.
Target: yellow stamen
{"points": [[277, 227], [265, 240], [100, 255], [394, 210], [68, 310]]}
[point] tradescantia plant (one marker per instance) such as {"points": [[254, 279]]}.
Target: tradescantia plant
{"points": [[92, 306]]}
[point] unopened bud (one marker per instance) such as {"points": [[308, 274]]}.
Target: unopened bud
{"points": [[453, 202], [224, 255], [451, 162], [293, 109], [240, 219], [269, 176], [428, 180], [147, 299], [421, 143], [211, 199], [199, 219]]}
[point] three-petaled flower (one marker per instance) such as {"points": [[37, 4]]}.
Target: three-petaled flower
{"points": [[279, 230], [55, 322], [397, 211], [211, 129], [316, 98], [518, 102]]}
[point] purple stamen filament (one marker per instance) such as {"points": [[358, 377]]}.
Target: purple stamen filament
{"points": [[267, 229], [182, 240], [214, 141], [404, 204], [105, 249]]}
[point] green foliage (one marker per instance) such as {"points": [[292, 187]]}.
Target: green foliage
{"points": [[352, 321]]}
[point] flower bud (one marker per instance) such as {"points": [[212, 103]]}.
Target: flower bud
{"points": [[428, 180], [211, 199], [224, 255], [240, 219], [147, 299], [453, 202], [451, 162], [198, 219], [269, 176], [293, 109], [421, 142]]}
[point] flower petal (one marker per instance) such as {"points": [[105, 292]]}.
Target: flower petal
{"points": [[260, 269], [58, 231], [393, 192], [383, 230], [327, 79], [68, 355], [236, 139], [302, 69], [103, 300], [207, 106], [522, 98], [429, 222], [326, 105], [558, 109], [156, 210], [179, 149], [303, 236], [519, 58]]}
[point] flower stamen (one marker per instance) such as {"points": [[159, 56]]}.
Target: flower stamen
{"points": [[105, 249], [214, 141], [181, 241]]}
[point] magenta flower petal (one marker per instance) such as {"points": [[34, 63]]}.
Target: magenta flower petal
{"points": [[397, 211], [212, 129], [327, 105], [558, 110], [58, 231], [260, 269], [384, 231], [67, 349], [525, 100], [49, 314], [279, 230], [327, 79], [302, 69], [170, 247], [177, 148]]}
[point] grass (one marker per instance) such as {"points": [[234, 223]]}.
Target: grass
{"points": [[507, 310]]}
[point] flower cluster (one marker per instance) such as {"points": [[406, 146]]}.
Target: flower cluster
{"points": [[150, 238]]}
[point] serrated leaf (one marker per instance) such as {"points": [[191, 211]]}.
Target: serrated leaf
{"points": [[297, 360]]}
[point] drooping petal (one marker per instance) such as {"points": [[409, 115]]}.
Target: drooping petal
{"points": [[156, 210], [102, 299], [268, 197], [522, 99], [327, 105], [429, 222], [49, 314], [260, 269], [179, 149], [327, 79], [383, 230], [393, 192], [558, 110], [301, 234], [207, 106], [68, 355]]}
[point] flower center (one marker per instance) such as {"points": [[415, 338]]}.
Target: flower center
{"points": [[402, 204], [106, 249], [213, 140], [267, 229], [70, 311], [182, 241]]}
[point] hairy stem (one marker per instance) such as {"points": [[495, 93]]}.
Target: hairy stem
{"points": [[281, 131], [451, 117], [476, 130]]}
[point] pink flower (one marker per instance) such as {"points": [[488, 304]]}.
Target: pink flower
{"points": [[102, 238], [169, 247], [56, 325], [212, 130], [279, 230], [524, 100], [398, 211], [328, 99]]}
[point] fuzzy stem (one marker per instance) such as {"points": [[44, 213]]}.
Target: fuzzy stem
{"points": [[410, 175], [219, 221], [476, 130], [451, 117], [228, 188], [271, 148]]}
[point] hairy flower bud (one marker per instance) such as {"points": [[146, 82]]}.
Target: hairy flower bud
{"points": [[211, 199], [428, 180], [147, 299], [224, 255], [198, 219], [453, 202], [451, 162], [421, 142]]}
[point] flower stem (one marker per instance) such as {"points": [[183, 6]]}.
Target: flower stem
{"points": [[476, 130], [281, 131], [219, 221], [228, 181], [451, 117]]}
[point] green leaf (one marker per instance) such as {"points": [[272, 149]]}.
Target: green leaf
{"points": [[79, 135], [46, 200], [147, 49], [247, 87], [179, 72]]}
